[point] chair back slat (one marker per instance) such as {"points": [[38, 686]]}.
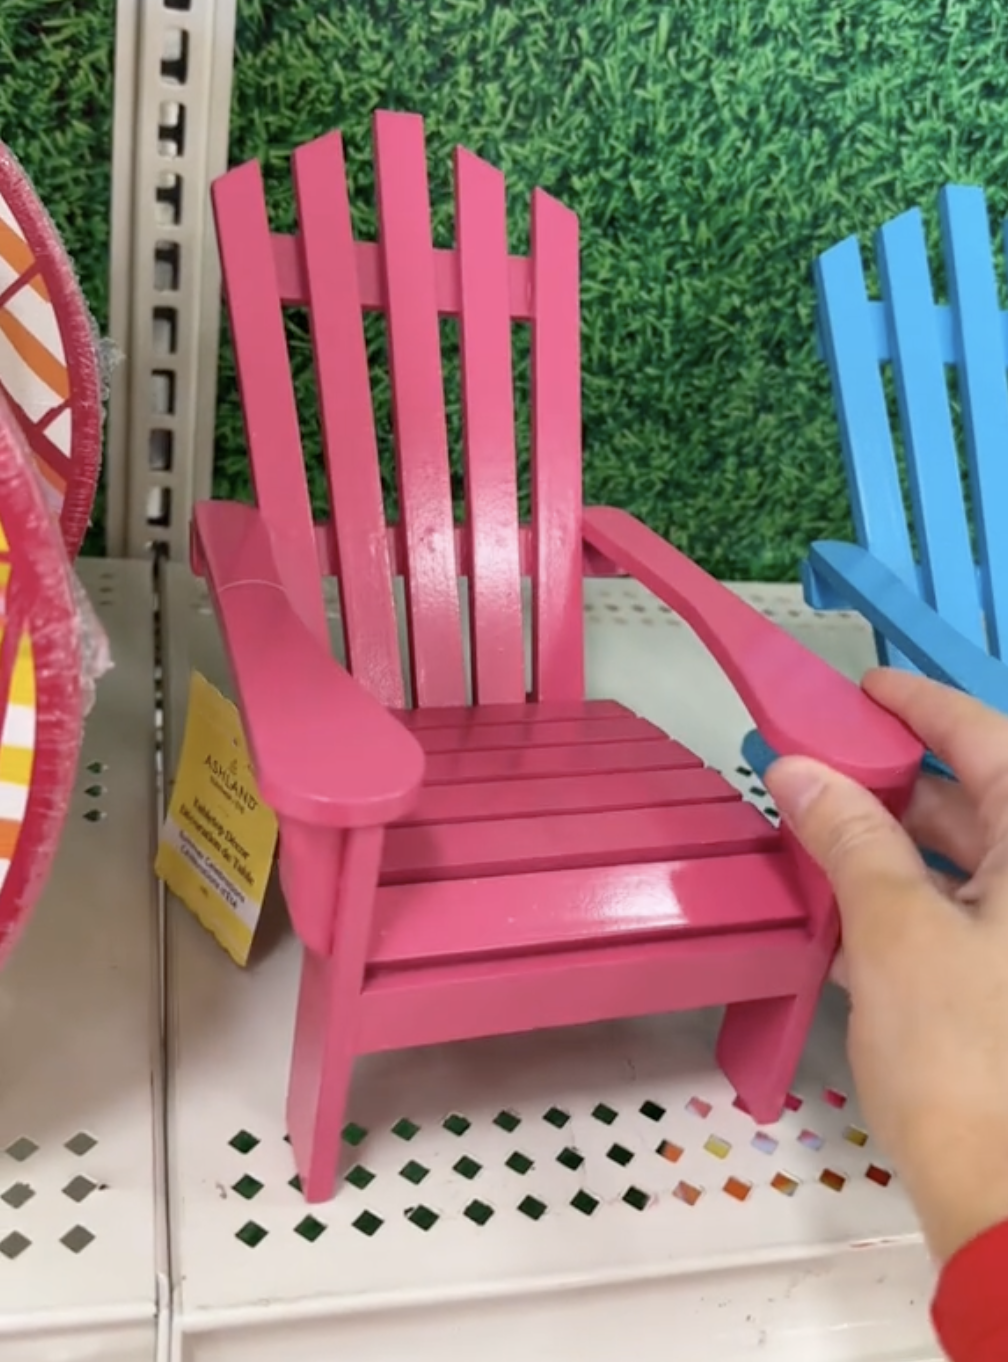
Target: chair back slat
{"points": [[437, 668], [979, 330], [269, 406], [948, 574], [491, 483], [343, 384], [847, 331], [486, 290], [557, 589]]}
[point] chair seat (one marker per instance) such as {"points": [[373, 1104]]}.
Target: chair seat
{"points": [[552, 826]]}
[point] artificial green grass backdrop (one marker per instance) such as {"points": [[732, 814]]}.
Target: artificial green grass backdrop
{"points": [[710, 147]]}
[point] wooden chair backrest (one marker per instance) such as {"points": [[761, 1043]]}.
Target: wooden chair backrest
{"points": [[923, 340], [414, 285]]}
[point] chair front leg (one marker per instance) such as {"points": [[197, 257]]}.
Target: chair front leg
{"points": [[329, 1000]]}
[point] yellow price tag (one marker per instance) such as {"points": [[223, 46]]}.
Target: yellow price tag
{"points": [[217, 843]]}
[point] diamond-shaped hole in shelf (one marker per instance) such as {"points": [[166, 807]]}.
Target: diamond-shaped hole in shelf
{"points": [[360, 1177], [518, 1162], [456, 1124], [619, 1154], [737, 1189], [880, 1176], [652, 1111], [368, 1223], [94, 816], [833, 1098], [96, 768], [763, 1143], [570, 1158], [718, 1147], [836, 1182], [696, 1106], [478, 1212], [80, 1144], [556, 1118], [18, 1195], [413, 1172], [532, 1207], [244, 1141], [13, 1245], [353, 1134], [79, 1188], [584, 1202], [310, 1229], [785, 1184], [77, 1239], [855, 1136], [507, 1120], [687, 1193], [604, 1113], [251, 1234], [247, 1187], [811, 1140], [22, 1149], [423, 1217], [405, 1129], [95, 791], [633, 1196], [794, 1103], [669, 1151], [467, 1167]]}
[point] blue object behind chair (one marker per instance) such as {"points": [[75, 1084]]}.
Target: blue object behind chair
{"points": [[945, 610]]}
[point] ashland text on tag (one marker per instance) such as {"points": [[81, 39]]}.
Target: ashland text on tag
{"points": [[217, 843]]}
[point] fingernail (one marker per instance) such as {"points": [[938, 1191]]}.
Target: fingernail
{"points": [[794, 783]]}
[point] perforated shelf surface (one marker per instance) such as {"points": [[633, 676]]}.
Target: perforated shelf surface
{"points": [[584, 1194], [81, 1248]]}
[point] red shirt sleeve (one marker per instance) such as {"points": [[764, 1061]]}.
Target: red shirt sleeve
{"points": [[970, 1308]]}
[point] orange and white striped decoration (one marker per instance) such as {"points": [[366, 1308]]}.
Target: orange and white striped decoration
{"points": [[33, 362], [17, 738]]}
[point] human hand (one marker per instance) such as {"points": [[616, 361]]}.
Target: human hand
{"points": [[925, 959]]}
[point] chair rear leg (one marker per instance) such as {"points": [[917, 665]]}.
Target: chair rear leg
{"points": [[761, 1043]]}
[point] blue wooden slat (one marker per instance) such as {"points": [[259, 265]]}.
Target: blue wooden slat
{"points": [[946, 333], [936, 494], [934, 646], [847, 329], [977, 323]]}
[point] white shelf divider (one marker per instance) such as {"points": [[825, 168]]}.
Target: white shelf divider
{"points": [[174, 62]]}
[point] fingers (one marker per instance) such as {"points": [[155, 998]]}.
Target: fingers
{"points": [[942, 818], [968, 736], [880, 881]]}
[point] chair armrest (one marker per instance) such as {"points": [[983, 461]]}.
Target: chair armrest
{"points": [[799, 703], [323, 750], [908, 622]]}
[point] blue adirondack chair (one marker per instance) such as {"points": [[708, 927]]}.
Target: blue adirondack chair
{"points": [[944, 609]]}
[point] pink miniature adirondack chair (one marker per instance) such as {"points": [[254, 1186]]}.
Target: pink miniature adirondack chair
{"points": [[521, 860]]}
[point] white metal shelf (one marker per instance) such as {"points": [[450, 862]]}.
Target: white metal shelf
{"points": [[82, 1246], [508, 1196]]}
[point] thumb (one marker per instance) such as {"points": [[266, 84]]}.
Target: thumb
{"points": [[876, 871]]}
